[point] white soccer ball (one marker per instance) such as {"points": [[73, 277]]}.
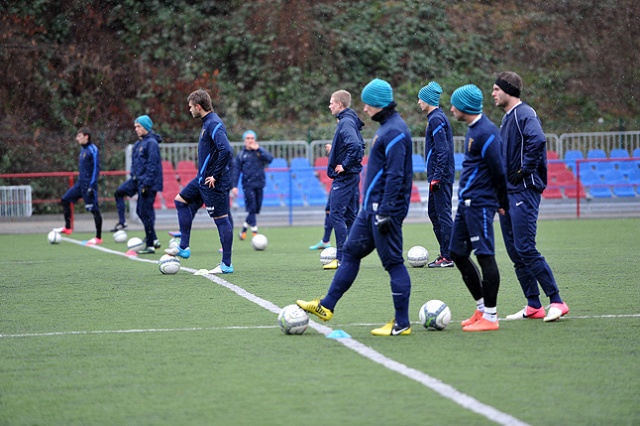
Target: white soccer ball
{"points": [[434, 315], [135, 244], [168, 264], [292, 319], [418, 256], [327, 255], [54, 237], [174, 242], [259, 242], [120, 236]]}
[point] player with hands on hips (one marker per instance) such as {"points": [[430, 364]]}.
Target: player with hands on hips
{"points": [[344, 167], [211, 185]]}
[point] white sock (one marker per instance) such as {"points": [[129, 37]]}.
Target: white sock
{"points": [[254, 229], [490, 314], [480, 304]]}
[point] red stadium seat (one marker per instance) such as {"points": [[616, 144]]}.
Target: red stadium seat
{"points": [[186, 171], [552, 155], [552, 192], [415, 194]]}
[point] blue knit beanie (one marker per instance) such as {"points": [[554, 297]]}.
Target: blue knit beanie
{"points": [[249, 132], [431, 93], [378, 93], [145, 121], [467, 99]]}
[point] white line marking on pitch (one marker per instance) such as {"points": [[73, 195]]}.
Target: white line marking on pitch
{"points": [[432, 383], [231, 327], [443, 389]]}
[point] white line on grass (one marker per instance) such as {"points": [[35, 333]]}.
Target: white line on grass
{"points": [[231, 327], [432, 383]]}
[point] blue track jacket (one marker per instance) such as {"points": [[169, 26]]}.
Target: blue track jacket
{"points": [[483, 180], [348, 146], [439, 148], [389, 177], [250, 165], [215, 155], [146, 164], [89, 166], [524, 148]]}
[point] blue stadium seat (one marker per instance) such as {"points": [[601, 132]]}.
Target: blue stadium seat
{"points": [[624, 190], [293, 197], [636, 153], [628, 166], [281, 179], [458, 158], [613, 177], [590, 177], [300, 163], [634, 176], [603, 166], [314, 193], [279, 163], [619, 153], [570, 158], [304, 174], [621, 185], [271, 199], [596, 153], [594, 182], [419, 165], [600, 191]]}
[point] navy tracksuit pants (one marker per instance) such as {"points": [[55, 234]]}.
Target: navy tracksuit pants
{"points": [[519, 227]]}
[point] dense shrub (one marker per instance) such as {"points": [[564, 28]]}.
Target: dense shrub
{"points": [[272, 64]]}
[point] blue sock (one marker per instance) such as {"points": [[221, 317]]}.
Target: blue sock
{"points": [[328, 227], [251, 220], [534, 302], [231, 221], [555, 298], [120, 207], [345, 276], [400, 290], [185, 218], [226, 238]]}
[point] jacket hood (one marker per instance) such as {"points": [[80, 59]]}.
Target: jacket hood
{"points": [[349, 113]]}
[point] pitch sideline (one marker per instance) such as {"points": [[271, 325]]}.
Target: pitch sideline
{"points": [[445, 390]]}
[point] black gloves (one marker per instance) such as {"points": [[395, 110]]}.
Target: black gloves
{"points": [[383, 223], [89, 191], [143, 191], [434, 185]]}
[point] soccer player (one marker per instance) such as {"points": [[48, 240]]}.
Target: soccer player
{"points": [[524, 156], [440, 169], [483, 190], [146, 181], [211, 185], [86, 187], [250, 164], [378, 225], [344, 167], [328, 226]]}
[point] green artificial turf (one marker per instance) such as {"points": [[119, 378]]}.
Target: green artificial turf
{"points": [[89, 337]]}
